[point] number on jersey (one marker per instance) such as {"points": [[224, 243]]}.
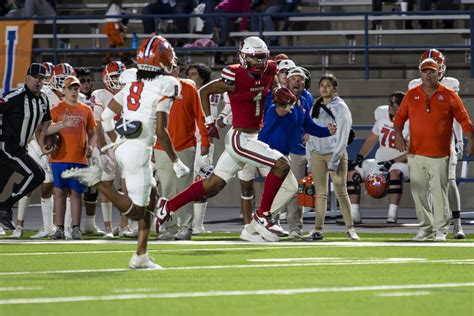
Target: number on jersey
{"points": [[133, 99], [388, 137], [257, 100]]}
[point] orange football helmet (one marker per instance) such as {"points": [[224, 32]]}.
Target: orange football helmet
{"points": [[376, 185], [60, 72], [438, 57], [111, 75], [155, 54], [49, 72]]}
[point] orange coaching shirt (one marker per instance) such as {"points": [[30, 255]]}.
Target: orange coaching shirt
{"points": [[73, 139], [185, 113], [431, 132]]}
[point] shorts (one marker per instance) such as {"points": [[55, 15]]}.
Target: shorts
{"points": [[60, 182]]}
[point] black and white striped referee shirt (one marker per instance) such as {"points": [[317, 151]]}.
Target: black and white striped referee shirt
{"points": [[20, 114]]}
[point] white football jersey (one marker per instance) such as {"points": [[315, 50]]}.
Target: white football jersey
{"points": [[53, 98], [383, 128], [99, 100], [449, 82], [142, 99]]}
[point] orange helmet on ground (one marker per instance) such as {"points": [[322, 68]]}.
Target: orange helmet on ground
{"points": [[376, 185], [437, 56], [155, 54], [111, 75], [60, 72]]}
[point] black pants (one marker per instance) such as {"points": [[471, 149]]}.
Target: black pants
{"points": [[15, 159]]}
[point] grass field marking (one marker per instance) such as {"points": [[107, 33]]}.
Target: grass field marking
{"points": [[136, 290], [399, 294], [250, 266], [20, 288], [230, 293], [341, 260]]}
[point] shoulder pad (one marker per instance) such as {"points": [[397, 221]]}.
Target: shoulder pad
{"points": [[228, 74], [191, 82], [168, 86], [414, 83], [381, 112], [451, 83], [129, 75]]}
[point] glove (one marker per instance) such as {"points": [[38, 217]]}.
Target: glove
{"points": [[356, 163], [180, 168], [385, 165], [459, 149], [211, 127], [205, 167]]}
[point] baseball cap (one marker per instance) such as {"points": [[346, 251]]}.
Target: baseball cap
{"points": [[71, 80], [429, 63], [286, 64], [296, 71], [278, 58], [36, 69]]}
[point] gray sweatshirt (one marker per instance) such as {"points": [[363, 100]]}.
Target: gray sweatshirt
{"points": [[337, 143]]}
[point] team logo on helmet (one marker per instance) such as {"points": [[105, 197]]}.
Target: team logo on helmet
{"points": [[60, 72], [437, 56], [156, 54], [253, 55], [376, 185], [111, 74]]}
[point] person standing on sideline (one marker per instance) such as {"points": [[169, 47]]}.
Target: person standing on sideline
{"points": [[114, 29], [431, 108], [457, 144], [329, 155], [24, 112]]}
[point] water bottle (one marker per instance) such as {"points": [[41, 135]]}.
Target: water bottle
{"points": [[134, 40]]}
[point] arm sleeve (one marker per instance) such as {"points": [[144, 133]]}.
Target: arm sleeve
{"points": [[344, 124]]}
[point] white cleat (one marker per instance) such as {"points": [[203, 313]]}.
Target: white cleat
{"points": [[89, 176], [251, 237], [96, 231], [263, 225], [108, 234], [143, 262], [457, 229], [43, 233], [17, 233], [392, 217], [279, 231], [2, 231]]}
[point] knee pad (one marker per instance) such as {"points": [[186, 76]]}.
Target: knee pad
{"points": [[353, 187], [91, 194], [395, 186]]}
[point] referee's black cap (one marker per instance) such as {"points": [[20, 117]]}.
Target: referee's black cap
{"points": [[36, 69]]}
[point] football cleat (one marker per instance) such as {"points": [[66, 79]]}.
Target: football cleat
{"points": [[457, 229], [392, 216], [108, 233], [89, 176], [183, 234], [93, 230], [2, 231], [314, 235], [162, 212], [58, 234], [143, 262], [251, 237], [17, 233], [264, 226], [76, 233], [352, 235]]}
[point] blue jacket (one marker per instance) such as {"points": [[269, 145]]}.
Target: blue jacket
{"points": [[297, 147], [280, 132]]}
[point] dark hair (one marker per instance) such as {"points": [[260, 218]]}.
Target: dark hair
{"points": [[398, 95], [316, 107], [148, 75], [203, 70], [81, 72], [331, 78], [118, 2]]}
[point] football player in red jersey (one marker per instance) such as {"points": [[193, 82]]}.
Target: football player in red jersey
{"points": [[247, 84]]}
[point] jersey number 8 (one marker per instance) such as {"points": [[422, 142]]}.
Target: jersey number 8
{"points": [[133, 99]]}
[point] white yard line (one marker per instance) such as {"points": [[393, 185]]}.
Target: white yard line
{"points": [[280, 245], [398, 294], [20, 288], [340, 261], [230, 293]]}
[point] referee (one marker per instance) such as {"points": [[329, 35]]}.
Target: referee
{"points": [[23, 113]]}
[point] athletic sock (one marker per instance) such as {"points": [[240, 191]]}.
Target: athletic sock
{"points": [[271, 186], [192, 193]]}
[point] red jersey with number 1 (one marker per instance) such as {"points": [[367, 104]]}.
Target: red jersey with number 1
{"points": [[248, 99]]}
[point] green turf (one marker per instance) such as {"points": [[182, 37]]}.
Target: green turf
{"points": [[203, 269]]}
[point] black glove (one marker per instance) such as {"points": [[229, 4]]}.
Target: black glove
{"points": [[356, 163], [385, 165]]}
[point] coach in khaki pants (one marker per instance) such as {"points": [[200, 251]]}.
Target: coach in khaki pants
{"points": [[431, 108]]}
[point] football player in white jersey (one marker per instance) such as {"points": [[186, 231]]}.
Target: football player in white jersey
{"points": [[144, 104], [457, 145], [388, 160]]}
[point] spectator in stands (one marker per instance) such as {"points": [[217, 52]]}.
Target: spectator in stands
{"points": [[76, 145], [405, 6], [152, 25], [432, 109], [270, 7], [225, 23], [29, 8], [329, 155], [115, 29], [388, 160], [444, 5]]}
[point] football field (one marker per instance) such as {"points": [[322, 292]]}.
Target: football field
{"points": [[385, 274]]}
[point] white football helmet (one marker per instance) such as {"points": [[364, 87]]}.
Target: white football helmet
{"points": [[111, 74], [254, 54], [60, 72]]}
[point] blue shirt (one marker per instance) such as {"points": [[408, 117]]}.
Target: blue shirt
{"points": [[280, 132], [298, 147]]}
